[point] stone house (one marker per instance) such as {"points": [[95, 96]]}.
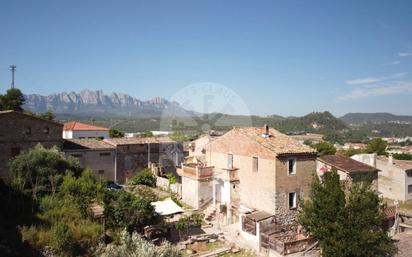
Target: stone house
{"points": [[254, 178], [74, 129], [20, 132], [348, 169], [94, 154], [395, 176], [134, 154], [260, 169]]}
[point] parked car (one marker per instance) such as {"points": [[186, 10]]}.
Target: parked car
{"points": [[113, 185]]}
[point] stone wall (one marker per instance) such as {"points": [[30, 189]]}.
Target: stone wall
{"points": [[100, 162], [164, 184], [20, 132], [299, 183]]}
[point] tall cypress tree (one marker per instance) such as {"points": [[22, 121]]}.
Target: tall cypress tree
{"points": [[346, 226]]}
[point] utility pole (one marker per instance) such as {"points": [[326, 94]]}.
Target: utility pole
{"points": [[13, 71]]}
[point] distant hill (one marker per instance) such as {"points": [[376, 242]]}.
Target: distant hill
{"points": [[96, 103], [315, 122], [376, 118]]}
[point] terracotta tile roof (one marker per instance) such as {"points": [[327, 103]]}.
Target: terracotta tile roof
{"points": [[346, 164], [84, 144], [137, 140], [74, 125], [276, 142]]}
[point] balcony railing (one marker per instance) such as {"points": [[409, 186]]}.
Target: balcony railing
{"points": [[196, 171]]}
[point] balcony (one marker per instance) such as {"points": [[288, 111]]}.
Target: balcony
{"points": [[230, 174], [196, 171]]}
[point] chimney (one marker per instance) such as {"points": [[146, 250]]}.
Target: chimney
{"points": [[266, 127], [374, 160], [390, 159]]}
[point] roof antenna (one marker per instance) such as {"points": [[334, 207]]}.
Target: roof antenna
{"points": [[13, 71]]}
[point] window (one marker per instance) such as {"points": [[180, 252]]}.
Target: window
{"points": [[230, 161], [255, 164], [292, 200], [292, 166], [104, 154], [14, 151], [46, 130], [409, 189], [101, 172], [77, 155], [27, 131], [409, 173]]}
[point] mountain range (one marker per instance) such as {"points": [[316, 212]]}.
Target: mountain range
{"points": [[96, 103], [87, 104]]}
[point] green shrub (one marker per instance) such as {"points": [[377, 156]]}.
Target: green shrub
{"points": [[171, 177], [63, 239], [125, 210], [196, 219], [144, 177]]}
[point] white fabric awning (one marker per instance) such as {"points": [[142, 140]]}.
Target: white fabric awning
{"points": [[167, 207]]}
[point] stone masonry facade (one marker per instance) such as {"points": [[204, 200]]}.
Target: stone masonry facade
{"points": [[20, 132]]}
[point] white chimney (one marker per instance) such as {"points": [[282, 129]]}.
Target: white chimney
{"points": [[390, 159]]}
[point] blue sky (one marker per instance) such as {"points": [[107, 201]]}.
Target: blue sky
{"points": [[280, 57]]}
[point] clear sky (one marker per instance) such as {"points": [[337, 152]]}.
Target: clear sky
{"points": [[281, 57]]}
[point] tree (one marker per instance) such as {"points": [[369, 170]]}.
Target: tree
{"points": [[319, 215], [41, 169], [12, 100], [324, 148], [113, 133], [125, 210], [348, 226], [83, 190], [377, 145], [48, 115], [144, 177], [361, 225]]}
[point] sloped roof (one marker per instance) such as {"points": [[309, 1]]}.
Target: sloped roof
{"points": [[167, 207], [346, 164], [75, 125], [137, 140], [30, 115], [84, 144], [276, 142]]}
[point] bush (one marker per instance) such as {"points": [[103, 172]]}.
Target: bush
{"points": [[171, 177], [63, 239], [144, 177], [135, 246], [125, 210]]}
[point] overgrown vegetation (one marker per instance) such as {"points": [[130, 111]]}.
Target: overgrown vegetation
{"points": [[47, 202], [144, 177], [125, 210], [132, 245]]}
